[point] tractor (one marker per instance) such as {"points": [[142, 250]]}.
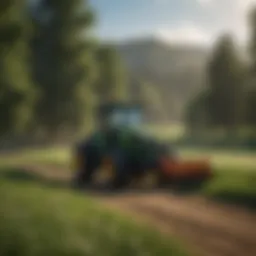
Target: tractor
{"points": [[120, 154]]}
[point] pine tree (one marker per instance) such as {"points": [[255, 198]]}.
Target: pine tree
{"points": [[226, 81], [251, 88], [63, 57], [152, 101], [112, 83]]}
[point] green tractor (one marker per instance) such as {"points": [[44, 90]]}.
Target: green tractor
{"points": [[124, 154]]}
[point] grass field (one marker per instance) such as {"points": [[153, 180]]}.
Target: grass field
{"points": [[55, 155], [37, 221], [224, 159], [235, 175], [235, 172], [165, 132]]}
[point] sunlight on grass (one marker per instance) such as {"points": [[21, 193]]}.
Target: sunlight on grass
{"points": [[233, 186], [165, 132], [234, 171], [243, 161], [55, 155], [36, 221]]}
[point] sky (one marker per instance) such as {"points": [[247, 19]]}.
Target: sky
{"points": [[180, 21]]}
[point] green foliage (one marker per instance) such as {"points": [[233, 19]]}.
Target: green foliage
{"points": [[152, 101], [233, 186], [174, 73], [73, 74], [50, 63], [251, 107], [112, 83], [228, 104], [197, 114], [16, 92], [226, 74], [231, 100], [37, 221], [251, 92], [252, 43], [63, 60]]}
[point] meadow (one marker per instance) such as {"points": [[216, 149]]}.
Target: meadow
{"points": [[234, 172], [55, 222], [40, 220]]}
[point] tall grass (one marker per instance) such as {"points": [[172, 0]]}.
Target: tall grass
{"points": [[37, 221]]}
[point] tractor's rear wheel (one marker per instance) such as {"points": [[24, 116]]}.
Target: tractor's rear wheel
{"points": [[119, 181], [151, 179]]}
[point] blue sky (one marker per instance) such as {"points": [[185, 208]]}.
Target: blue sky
{"points": [[193, 21]]}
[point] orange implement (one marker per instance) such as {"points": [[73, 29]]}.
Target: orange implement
{"points": [[185, 169]]}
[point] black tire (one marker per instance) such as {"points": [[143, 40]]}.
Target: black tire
{"points": [[120, 181], [83, 179], [92, 161], [157, 183]]}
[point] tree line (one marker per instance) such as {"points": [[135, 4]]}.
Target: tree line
{"points": [[53, 70], [228, 102]]}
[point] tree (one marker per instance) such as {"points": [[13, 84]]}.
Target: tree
{"points": [[63, 61], [226, 81], [151, 99], [112, 83], [251, 108], [252, 44], [251, 85], [17, 94], [197, 116]]}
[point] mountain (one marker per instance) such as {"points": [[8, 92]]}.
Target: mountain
{"points": [[175, 71]]}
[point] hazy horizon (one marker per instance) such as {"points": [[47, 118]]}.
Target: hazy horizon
{"points": [[192, 22]]}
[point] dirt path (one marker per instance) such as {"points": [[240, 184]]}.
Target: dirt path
{"points": [[209, 228]]}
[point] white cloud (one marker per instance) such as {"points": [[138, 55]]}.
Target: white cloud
{"points": [[230, 15], [225, 15], [204, 1], [238, 18], [187, 33]]}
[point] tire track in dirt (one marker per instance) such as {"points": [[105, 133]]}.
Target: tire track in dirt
{"points": [[208, 232], [208, 228]]}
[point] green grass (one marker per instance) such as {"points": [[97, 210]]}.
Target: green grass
{"points": [[165, 132], [39, 221], [235, 172], [233, 186], [55, 155], [234, 175], [223, 159], [220, 159]]}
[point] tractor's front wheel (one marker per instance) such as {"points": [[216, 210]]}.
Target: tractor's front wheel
{"points": [[82, 179]]}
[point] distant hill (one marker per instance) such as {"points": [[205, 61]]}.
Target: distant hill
{"points": [[177, 72]]}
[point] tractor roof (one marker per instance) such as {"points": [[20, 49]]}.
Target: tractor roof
{"points": [[107, 108]]}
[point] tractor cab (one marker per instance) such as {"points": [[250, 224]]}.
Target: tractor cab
{"points": [[120, 115]]}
